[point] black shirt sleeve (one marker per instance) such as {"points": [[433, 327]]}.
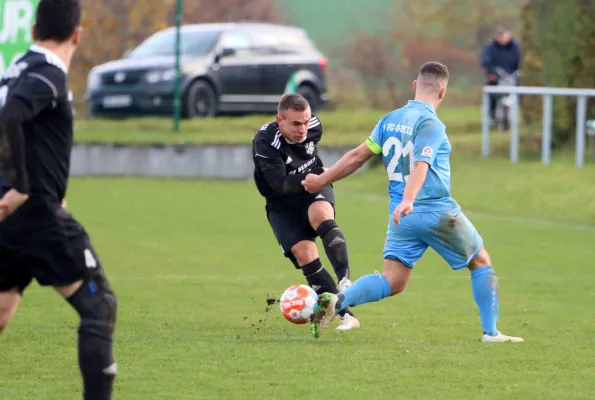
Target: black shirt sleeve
{"points": [[315, 130], [37, 89], [272, 165]]}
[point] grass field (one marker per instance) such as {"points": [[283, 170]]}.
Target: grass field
{"points": [[340, 127], [193, 261]]}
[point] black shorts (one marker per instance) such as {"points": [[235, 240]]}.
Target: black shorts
{"points": [[289, 218], [45, 242]]}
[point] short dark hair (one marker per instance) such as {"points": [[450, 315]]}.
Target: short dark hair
{"points": [[292, 101], [435, 70], [501, 29], [57, 19]]}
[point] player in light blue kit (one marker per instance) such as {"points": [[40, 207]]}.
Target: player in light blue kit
{"points": [[415, 151]]}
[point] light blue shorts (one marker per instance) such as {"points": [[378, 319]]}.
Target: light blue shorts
{"points": [[448, 232]]}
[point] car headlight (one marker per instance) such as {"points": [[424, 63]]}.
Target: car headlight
{"points": [[161, 75]]}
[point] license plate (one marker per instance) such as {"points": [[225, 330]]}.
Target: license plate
{"points": [[118, 101]]}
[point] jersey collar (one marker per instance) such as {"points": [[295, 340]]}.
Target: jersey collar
{"points": [[421, 104], [51, 56]]}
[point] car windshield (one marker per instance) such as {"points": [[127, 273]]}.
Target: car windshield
{"points": [[193, 43]]}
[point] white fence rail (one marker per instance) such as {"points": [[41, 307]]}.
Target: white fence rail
{"points": [[547, 93]]}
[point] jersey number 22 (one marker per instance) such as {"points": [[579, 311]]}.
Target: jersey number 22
{"points": [[400, 151]]}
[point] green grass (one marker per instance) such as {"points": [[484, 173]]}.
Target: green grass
{"points": [[340, 127], [192, 262]]}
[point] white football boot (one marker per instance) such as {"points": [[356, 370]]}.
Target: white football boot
{"points": [[348, 322], [344, 284], [500, 338]]}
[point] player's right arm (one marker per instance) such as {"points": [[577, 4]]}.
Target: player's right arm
{"points": [[272, 165], [348, 164], [38, 89], [427, 139]]}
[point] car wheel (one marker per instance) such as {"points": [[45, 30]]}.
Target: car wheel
{"points": [[310, 94], [201, 101]]}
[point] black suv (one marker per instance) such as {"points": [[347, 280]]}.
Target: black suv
{"points": [[241, 67]]}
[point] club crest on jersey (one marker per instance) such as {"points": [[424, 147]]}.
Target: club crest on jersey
{"points": [[426, 151], [310, 148]]}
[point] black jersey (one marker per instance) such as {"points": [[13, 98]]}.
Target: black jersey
{"points": [[36, 125], [281, 165]]}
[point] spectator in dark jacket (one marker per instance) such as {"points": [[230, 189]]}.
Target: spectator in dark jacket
{"points": [[504, 52]]}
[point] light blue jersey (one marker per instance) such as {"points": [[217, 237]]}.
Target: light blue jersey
{"points": [[407, 135]]}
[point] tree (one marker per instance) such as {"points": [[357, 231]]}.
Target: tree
{"points": [[416, 32], [111, 27], [560, 52], [203, 11]]}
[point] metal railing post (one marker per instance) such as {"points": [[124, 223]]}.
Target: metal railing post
{"points": [[485, 124], [514, 129], [581, 120], [546, 133]]}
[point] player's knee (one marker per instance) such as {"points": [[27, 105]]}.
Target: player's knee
{"points": [[397, 274], [9, 302], [5, 315], [93, 304], [396, 285], [319, 212], [304, 252], [3, 322], [482, 259]]}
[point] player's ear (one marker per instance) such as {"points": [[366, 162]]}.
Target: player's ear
{"points": [[415, 85], [33, 29], [76, 36], [278, 119], [442, 93]]}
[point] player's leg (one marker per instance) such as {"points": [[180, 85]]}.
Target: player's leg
{"points": [[304, 255], [14, 278], [486, 291], [297, 244], [321, 215], [65, 259], [375, 287], [95, 302], [97, 309], [402, 249], [9, 302], [457, 241]]}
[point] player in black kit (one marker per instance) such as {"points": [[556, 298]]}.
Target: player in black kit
{"points": [[38, 238], [284, 152]]}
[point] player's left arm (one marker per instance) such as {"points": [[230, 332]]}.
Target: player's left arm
{"points": [[36, 91], [426, 144]]}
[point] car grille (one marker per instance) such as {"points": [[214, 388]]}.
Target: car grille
{"points": [[130, 77]]}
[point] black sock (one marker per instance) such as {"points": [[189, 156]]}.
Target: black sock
{"points": [[95, 360], [321, 281], [95, 340], [335, 247]]}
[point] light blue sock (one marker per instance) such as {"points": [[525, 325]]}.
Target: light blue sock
{"points": [[366, 289], [484, 285]]}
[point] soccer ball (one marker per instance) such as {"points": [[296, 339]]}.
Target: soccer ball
{"points": [[297, 303]]}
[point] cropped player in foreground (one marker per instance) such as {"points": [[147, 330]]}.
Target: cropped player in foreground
{"points": [[38, 238], [284, 152], [415, 151]]}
